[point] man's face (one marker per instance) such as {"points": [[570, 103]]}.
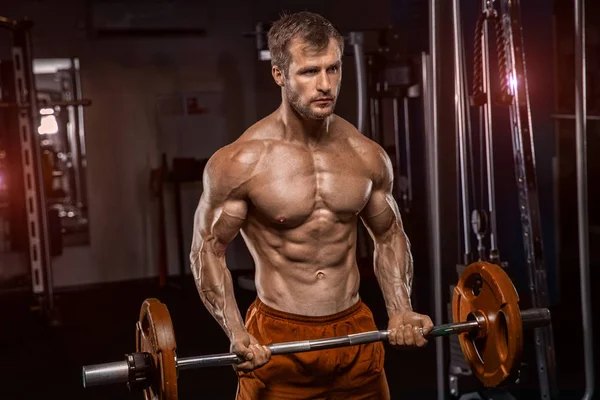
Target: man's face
{"points": [[314, 79]]}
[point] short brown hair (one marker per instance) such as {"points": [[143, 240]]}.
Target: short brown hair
{"points": [[311, 28]]}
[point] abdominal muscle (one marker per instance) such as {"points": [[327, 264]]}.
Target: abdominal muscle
{"points": [[306, 270]]}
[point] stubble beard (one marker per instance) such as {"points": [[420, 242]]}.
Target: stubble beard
{"points": [[305, 109]]}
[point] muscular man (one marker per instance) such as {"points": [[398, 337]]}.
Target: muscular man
{"points": [[294, 184]]}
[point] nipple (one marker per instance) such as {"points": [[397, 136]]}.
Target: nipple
{"points": [[281, 220]]}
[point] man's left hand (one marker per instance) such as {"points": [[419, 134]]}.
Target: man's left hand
{"points": [[405, 329]]}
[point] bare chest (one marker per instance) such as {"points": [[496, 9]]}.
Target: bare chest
{"points": [[294, 184]]}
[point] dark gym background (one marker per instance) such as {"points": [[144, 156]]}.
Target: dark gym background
{"points": [[138, 78]]}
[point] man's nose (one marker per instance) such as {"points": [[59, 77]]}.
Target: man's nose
{"points": [[323, 82]]}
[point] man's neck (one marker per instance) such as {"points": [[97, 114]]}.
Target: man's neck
{"points": [[298, 127]]}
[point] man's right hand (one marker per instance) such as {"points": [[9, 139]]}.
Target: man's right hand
{"points": [[246, 347]]}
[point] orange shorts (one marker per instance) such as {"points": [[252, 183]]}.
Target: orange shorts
{"points": [[354, 372]]}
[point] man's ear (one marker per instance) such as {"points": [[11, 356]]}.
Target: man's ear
{"points": [[278, 76]]}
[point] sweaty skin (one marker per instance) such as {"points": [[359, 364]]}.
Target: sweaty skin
{"points": [[295, 185]]}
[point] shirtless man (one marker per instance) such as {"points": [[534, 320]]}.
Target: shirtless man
{"points": [[295, 184]]}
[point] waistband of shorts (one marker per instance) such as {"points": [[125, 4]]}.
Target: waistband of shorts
{"points": [[307, 319]]}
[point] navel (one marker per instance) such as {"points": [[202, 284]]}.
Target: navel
{"points": [[320, 275]]}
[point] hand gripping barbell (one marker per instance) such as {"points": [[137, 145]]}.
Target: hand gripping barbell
{"points": [[484, 307]]}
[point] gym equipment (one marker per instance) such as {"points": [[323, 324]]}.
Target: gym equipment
{"points": [[513, 94], [486, 317], [20, 106], [496, 348]]}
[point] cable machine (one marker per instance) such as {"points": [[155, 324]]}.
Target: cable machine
{"points": [[513, 95]]}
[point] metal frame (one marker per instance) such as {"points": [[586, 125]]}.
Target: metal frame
{"points": [[489, 139], [582, 196], [80, 149], [459, 86], [524, 158], [430, 99], [356, 40], [28, 114], [407, 133], [397, 149]]}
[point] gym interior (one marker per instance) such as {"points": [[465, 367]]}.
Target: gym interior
{"points": [[110, 109]]}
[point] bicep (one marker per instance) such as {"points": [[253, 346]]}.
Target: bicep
{"points": [[220, 214], [381, 215], [216, 224], [223, 221]]}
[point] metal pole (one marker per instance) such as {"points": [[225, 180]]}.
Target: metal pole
{"points": [[470, 174], [528, 197], [356, 40], [374, 116], [119, 372], [398, 148], [80, 135], [434, 216], [460, 126], [407, 141], [530, 318], [434, 193], [487, 126], [302, 346], [582, 199], [572, 116], [425, 61]]}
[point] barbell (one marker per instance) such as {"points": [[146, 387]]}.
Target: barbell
{"points": [[485, 310]]}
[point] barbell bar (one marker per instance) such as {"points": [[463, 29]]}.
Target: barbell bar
{"points": [[485, 309], [122, 371]]}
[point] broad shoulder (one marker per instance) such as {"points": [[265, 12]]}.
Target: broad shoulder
{"points": [[372, 155], [247, 150], [241, 157], [233, 165]]}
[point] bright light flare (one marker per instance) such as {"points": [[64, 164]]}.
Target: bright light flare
{"points": [[512, 82], [48, 125]]}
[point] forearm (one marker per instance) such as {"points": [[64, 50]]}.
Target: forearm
{"points": [[394, 271], [215, 287]]}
